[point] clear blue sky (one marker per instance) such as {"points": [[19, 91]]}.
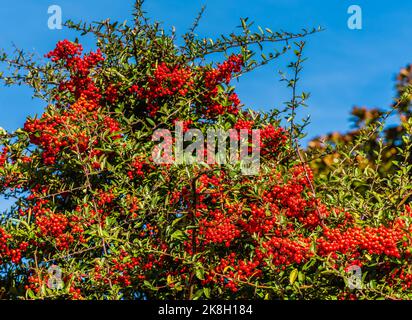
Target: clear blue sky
{"points": [[345, 67]]}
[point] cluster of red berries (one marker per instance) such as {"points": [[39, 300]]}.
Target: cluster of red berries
{"points": [[165, 81], [219, 229], [212, 80], [59, 228], [14, 254], [53, 225], [80, 82], [347, 295], [4, 237], [244, 124], [54, 132], [402, 276], [3, 156], [184, 123], [224, 72], [34, 282], [105, 198], [44, 134], [170, 80], [65, 51], [302, 174], [124, 269], [292, 197], [111, 94], [271, 139], [230, 272], [259, 222], [139, 168], [76, 293], [285, 216], [284, 251], [379, 241]]}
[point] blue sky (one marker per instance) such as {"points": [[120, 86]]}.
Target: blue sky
{"points": [[345, 67]]}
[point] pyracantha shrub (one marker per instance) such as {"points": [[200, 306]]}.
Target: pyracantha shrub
{"points": [[91, 201]]}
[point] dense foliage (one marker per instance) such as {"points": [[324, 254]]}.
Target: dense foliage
{"points": [[369, 128], [91, 203]]}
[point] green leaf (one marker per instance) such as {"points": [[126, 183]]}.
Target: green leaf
{"points": [[206, 291], [200, 274], [178, 234], [293, 275], [148, 284], [151, 122], [301, 276], [198, 294], [31, 294]]}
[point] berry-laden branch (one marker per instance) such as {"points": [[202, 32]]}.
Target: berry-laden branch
{"points": [[92, 200]]}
